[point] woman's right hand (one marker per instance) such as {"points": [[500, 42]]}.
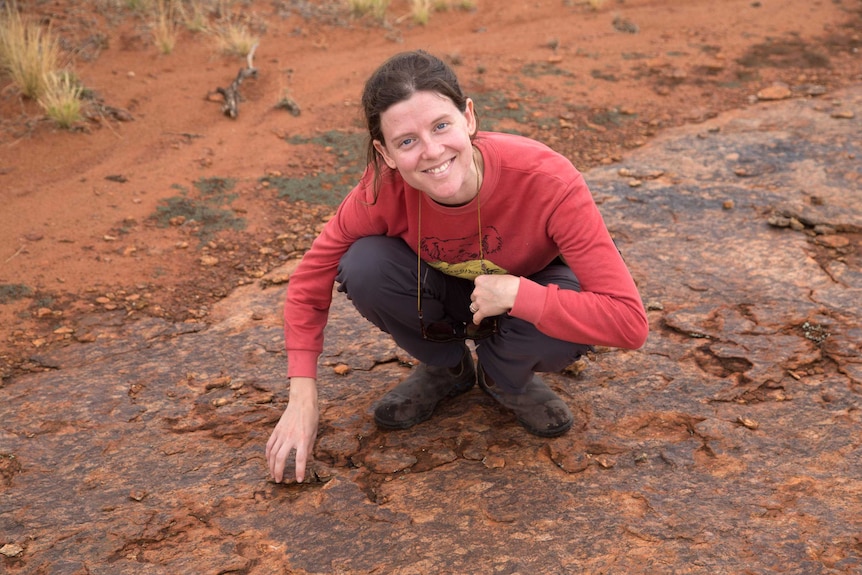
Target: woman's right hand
{"points": [[296, 430]]}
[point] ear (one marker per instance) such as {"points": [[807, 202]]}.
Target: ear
{"points": [[381, 149], [470, 115]]}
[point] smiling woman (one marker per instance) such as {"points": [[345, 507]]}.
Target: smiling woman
{"points": [[454, 199]]}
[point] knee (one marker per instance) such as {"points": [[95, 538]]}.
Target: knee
{"points": [[361, 260], [370, 261]]}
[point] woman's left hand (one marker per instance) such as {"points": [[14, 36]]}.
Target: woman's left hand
{"points": [[493, 295]]}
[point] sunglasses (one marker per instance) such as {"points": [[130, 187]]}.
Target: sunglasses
{"points": [[441, 331]]}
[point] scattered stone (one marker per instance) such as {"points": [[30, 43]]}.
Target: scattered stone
{"points": [[341, 369], [137, 495], [748, 423], [833, 241], [209, 261], [774, 92], [11, 550], [494, 461], [567, 459], [641, 173], [390, 461], [727, 204], [625, 26], [843, 115]]}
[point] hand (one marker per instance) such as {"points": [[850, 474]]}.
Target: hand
{"points": [[493, 295], [296, 430]]}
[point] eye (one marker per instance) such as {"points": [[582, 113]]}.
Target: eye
{"points": [[441, 126], [406, 142]]}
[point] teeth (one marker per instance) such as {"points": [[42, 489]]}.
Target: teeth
{"points": [[439, 169]]}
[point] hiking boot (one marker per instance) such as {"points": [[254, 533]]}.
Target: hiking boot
{"points": [[413, 400], [538, 409]]}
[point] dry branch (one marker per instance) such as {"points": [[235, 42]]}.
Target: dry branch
{"points": [[231, 93]]}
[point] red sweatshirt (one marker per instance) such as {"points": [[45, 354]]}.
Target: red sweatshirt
{"points": [[533, 205]]}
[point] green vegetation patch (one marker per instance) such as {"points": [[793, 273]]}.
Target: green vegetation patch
{"points": [[790, 53], [493, 108], [12, 292], [210, 211], [349, 152], [536, 69]]}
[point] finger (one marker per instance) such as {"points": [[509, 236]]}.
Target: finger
{"points": [[301, 459], [278, 462]]}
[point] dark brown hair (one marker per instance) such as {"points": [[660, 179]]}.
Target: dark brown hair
{"points": [[396, 80]]}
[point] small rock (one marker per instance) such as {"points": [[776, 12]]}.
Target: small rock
{"points": [[727, 205], [774, 92], [748, 423], [209, 261], [341, 369], [493, 461], [11, 550], [843, 115], [833, 241]]}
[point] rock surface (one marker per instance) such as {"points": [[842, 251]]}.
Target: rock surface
{"points": [[729, 444]]}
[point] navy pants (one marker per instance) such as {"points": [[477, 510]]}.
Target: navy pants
{"points": [[378, 274]]}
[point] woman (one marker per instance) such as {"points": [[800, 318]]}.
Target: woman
{"points": [[455, 234]]}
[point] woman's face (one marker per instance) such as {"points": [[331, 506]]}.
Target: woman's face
{"points": [[428, 142]]}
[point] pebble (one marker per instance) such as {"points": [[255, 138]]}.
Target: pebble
{"points": [[11, 550], [775, 92], [494, 461]]}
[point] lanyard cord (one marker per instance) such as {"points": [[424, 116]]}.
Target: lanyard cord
{"points": [[419, 239]]}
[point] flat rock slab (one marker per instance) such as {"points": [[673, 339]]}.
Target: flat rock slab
{"points": [[729, 444]]}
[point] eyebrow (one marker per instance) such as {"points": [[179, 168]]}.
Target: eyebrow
{"points": [[446, 117]]}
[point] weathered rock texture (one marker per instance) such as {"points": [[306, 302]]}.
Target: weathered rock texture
{"points": [[729, 444]]}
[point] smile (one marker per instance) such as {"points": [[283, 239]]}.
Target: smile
{"points": [[439, 169]]}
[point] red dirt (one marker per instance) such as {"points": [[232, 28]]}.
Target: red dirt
{"points": [[79, 227]]}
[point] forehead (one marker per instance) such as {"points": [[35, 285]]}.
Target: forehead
{"points": [[419, 110]]}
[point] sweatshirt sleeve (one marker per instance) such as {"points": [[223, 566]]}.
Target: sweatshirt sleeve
{"points": [[309, 291], [608, 310]]}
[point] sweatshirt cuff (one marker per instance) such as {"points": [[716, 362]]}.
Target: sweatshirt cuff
{"points": [[302, 363], [530, 301]]}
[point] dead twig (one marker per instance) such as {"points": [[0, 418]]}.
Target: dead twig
{"points": [[230, 94], [13, 255]]}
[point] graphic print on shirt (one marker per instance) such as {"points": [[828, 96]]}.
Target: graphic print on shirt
{"points": [[459, 257]]}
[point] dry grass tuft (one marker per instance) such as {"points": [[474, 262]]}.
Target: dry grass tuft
{"points": [[29, 54], [61, 99], [374, 8], [236, 39], [165, 29], [421, 11]]}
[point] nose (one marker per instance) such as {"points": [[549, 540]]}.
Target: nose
{"points": [[431, 148]]}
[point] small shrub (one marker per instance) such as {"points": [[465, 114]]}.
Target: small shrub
{"points": [[421, 11], [375, 8], [196, 17], [165, 27], [61, 99], [28, 54], [236, 39]]}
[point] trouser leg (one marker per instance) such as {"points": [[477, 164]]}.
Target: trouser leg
{"points": [[511, 356], [378, 274]]}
